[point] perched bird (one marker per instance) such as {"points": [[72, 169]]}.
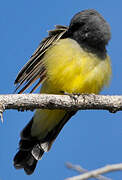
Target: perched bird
{"points": [[71, 59]]}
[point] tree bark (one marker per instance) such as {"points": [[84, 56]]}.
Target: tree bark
{"points": [[67, 102]]}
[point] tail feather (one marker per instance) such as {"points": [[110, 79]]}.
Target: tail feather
{"points": [[28, 158], [24, 159], [31, 149]]}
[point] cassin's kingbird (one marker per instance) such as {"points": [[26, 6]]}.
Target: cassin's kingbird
{"points": [[71, 59]]}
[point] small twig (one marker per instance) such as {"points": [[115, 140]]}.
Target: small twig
{"points": [[96, 172], [82, 170], [1, 112], [1, 116]]}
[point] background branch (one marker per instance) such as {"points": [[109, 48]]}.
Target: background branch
{"points": [[68, 102], [82, 170], [96, 172]]}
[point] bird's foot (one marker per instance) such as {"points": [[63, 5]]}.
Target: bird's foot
{"points": [[74, 96]]}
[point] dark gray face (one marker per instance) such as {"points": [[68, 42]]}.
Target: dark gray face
{"points": [[88, 27]]}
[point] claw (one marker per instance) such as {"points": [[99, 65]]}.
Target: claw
{"points": [[74, 96]]}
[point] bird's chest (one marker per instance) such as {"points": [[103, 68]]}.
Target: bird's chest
{"points": [[72, 70]]}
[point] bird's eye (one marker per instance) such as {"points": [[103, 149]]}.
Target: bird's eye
{"points": [[86, 35]]}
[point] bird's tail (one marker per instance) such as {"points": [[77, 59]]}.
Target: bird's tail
{"points": [[31, 149], [29, 152]]}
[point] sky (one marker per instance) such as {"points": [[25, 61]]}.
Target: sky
{"points": [[91, 138]]}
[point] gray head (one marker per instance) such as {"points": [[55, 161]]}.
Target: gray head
{"points": [[89, 28]]}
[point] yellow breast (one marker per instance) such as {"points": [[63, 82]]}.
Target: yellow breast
{"points": [[73, 70]]}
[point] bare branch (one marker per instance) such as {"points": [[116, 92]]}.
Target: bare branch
{"points": [[68, 102], [82, 170], [96, 172]]}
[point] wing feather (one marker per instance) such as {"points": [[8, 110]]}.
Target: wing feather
{"points": [[35, 68]]}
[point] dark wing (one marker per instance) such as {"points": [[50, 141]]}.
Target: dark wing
{"points": [[35, 69]]}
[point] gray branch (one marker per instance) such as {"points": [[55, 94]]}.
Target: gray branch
{"points": [[82, 170], [67, 102], [96, 172]]}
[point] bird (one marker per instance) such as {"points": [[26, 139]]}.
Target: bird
{"points": [[71, 59]]}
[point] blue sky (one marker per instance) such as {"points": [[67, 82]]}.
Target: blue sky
{"points": [[91, 139]]}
